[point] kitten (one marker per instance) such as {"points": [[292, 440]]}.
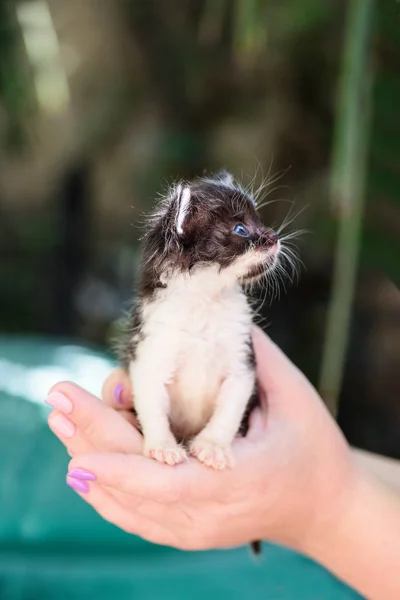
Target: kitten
{"points": [[188, 348]]}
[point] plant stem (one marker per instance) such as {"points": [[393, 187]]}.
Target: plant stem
{"points": [[347, 190]]}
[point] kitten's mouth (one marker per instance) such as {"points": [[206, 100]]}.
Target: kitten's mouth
{"points": [[262, 268], [253, 273]]}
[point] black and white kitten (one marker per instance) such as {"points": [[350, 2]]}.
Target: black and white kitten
{"points": [[188, 347]]}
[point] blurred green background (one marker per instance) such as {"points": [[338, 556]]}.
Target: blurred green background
{"points": [[105, 102]]}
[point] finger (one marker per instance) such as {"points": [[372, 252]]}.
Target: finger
{"points": [[65, 430], [125, 510], [102, 426], [137, 475], [131, 474], [166, 516], [117, 390], [72, 438], [110, 509]]}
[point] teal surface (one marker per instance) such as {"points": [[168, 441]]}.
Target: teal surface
{"points": [[54, 546]]}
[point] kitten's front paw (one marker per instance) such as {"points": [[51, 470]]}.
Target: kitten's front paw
{"points": [[212, 455], [167, 453]]}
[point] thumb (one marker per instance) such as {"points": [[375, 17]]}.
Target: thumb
{"points": [[275, 371], [257, 423], [129, 473], [282, 383]]}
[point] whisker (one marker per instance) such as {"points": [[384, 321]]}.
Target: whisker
{"points": [[294, 234], [268, 202], [274, 189], [271, 181], [291, 217]]}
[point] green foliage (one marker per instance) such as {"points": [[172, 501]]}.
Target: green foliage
{"points": [[250, 28], [381, 245], [15, 92], [347, 191]]}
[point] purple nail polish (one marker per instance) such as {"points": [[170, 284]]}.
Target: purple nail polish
{"points": [[78, 486], [82, 475], [118, 392]]}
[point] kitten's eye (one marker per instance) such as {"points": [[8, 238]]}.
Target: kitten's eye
{"points": [[241, 230]]}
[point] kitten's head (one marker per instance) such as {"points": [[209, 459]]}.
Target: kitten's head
{"points": [[210, 222]]}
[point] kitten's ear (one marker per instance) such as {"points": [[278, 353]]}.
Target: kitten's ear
{"points": [[183, 200], [224, 177]]}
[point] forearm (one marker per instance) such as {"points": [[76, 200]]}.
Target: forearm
{"points": [[362, 545], [386, 469]]}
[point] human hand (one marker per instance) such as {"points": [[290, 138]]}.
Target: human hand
{"points": [[292, 472]]}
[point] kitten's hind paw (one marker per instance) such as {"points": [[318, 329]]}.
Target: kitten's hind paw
{"points": [[211, 455], [166, 453]]}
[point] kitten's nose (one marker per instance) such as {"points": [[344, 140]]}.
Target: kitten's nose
{"points": [[269, 238]]}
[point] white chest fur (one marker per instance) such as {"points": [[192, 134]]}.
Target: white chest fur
{"points": [[196, 335]]}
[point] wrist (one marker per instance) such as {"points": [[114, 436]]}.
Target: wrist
{"points": [[359, 539], [333, 515]]}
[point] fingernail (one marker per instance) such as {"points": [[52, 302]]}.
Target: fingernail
{"points": [[82, 474], [60, 401], [78, 486], [62, 425], [118, 393]]}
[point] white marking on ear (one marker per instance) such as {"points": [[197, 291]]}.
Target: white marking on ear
{"points": [[178, 191], [184, 200]]}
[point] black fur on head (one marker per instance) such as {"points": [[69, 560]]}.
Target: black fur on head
{"points": [[209, 221]]}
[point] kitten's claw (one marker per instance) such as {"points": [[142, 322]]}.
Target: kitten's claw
{"points": [[167, 453], [211, 455]]}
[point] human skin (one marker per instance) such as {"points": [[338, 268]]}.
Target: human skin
{"points": [[295, 480]]}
